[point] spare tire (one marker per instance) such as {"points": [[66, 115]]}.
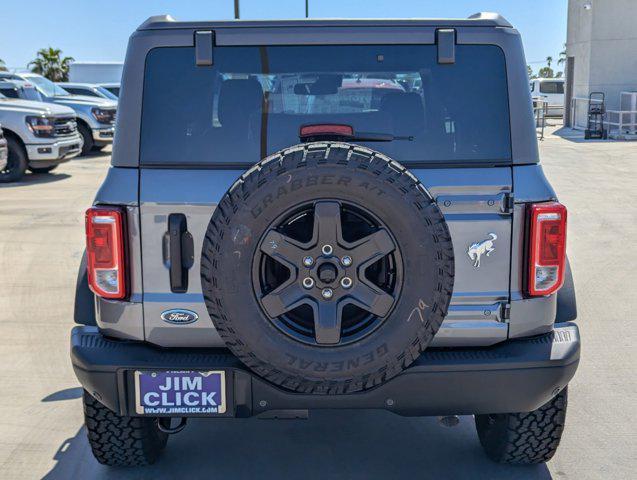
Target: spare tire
{"points": [[327, 268]]}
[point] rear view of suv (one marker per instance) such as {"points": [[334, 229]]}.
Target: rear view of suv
{"points": [[326, 214]]}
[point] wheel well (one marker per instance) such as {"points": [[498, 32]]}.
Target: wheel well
{"points": [[11, 134], [79, 121]]}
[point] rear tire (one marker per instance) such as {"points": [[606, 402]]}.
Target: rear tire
{"points": [[42, 169], [16, 163], [524, 438], [87, 136], [121, 441]]}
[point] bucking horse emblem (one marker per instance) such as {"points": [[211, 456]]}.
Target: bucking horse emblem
{"points": [[478, 249]]}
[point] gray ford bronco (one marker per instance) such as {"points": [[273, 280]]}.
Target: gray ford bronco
{"points": [[325, 214]]}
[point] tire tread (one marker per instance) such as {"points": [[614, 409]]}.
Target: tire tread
{"points": [[120, 440]]}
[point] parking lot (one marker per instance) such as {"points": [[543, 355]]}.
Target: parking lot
{"points": [[41, 434]]}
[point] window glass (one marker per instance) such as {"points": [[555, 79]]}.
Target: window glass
{"points": [[10, 92], [254, 100], [46, 86], [80, 91], [551, 87]]}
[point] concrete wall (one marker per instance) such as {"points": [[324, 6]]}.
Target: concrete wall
{"points": [[603, 42]]}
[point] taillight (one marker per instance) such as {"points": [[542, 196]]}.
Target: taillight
{"points": [[105, 251], [547, 248]]}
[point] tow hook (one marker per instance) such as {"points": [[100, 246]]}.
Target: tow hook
{"points": [[165, 425]]}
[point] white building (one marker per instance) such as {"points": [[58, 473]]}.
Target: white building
{"points": [[96, 72], [601, 51]]}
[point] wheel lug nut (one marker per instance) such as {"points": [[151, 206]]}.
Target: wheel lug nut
{"points": [[327, 250], [308, 282], [346, 261], [346, 282], [327, 293], [308, 261]]}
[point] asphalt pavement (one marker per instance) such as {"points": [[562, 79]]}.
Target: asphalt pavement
{"points": [[41, 432]]}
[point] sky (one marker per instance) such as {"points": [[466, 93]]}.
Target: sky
{"points": [[90, 30]]}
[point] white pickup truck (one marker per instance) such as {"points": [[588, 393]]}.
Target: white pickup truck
{"points": [[39, 136]]}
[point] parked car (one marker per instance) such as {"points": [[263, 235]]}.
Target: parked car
{"points": [[4, 151], [95, 116], [39, 136], [255, 250], [87, 89], [111, 87], [552, 91]]}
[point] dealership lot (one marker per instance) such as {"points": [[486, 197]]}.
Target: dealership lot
{"points": [[41, 434]]}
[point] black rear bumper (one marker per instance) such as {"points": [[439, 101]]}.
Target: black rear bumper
{"points": [[514, 376]]}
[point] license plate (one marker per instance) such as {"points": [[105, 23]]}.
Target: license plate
{"points": [[180, 392]]}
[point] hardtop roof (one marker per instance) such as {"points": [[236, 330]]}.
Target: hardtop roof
{"points": [[483, 19]]}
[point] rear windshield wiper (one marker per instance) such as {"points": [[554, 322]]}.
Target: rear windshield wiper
{"points": [[311, 133]]}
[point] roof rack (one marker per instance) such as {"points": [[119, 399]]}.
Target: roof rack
{"points": [[481, 19]]}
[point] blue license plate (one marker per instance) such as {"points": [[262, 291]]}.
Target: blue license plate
{"points": [[180, 392]]}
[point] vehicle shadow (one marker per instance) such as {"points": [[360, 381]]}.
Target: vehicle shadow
{"points": [[330, 444], [66, 394], [36, 179], [577, 136]]}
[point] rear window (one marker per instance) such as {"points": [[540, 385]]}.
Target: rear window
{"points": [[551, 87], [254, 100]]}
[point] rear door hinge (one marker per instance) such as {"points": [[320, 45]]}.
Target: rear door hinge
{"points": [[446, 41], [508, 203], [506, 312], [204, 42]]}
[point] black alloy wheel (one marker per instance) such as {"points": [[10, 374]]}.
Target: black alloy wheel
{"points": [[327, 273]]}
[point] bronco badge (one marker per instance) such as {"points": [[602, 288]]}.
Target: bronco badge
{"points": [[179, 316], [478, 249]]}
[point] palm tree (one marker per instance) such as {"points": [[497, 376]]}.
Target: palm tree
{"points": [[562, 56], [549, 59], [50, 64]]}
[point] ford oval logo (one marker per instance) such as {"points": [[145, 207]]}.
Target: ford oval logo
{"points": [[179, 316]]}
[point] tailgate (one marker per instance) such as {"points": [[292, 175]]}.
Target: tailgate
{"points": [[475, 202]]}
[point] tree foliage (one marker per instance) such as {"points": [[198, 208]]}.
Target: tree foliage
{"points": [[546, 72], [50, 64], [3, 66], [562, 56]]}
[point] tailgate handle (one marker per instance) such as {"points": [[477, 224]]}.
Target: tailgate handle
{"points": [[181, 252]]}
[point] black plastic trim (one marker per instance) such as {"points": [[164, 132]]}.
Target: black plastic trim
{"points": [[446, 41], [513, 376], [204, 42]]}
